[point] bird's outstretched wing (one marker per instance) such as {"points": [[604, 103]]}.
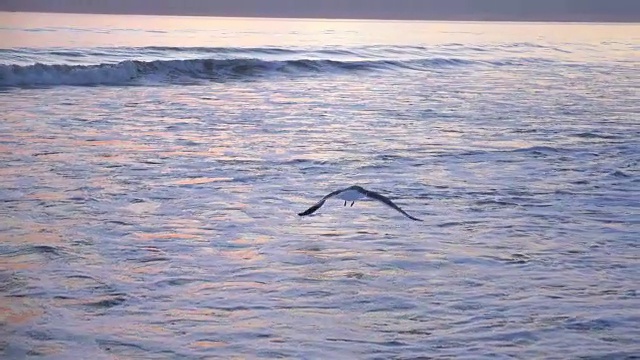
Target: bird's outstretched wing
{"points": [[385, 200], [319, 204]]}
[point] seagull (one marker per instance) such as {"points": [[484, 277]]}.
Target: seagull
{"points": [[353, 193]]}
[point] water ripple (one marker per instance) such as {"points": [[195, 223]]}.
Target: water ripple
{"points": [[160, 221]]}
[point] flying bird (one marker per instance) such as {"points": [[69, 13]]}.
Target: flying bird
{"points": [[353, 193]]}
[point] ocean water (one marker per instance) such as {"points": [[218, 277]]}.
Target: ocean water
{"points": [[152, 169]]}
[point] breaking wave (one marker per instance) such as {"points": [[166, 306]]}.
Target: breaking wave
{"points": [[132, 72]]}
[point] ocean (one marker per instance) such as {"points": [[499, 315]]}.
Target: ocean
{"points": [[152, 169]]}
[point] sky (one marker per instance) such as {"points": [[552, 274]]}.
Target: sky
{"points": [[533, 10]]}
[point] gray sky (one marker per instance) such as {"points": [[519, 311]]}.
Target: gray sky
{"points": [[550, 10]]}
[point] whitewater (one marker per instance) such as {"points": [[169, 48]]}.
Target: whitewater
{"points": [[149, 65], [152, 169]]}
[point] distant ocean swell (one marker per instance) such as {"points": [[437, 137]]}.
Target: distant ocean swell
{"points": [[132, 72]]}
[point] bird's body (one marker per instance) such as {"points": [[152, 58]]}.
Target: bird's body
{"points": [[353, 193]]}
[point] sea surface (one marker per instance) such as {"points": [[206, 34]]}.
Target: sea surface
{"points": [[152, 169]]}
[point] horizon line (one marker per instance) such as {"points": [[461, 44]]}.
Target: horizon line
{"points": [[310, 17]]}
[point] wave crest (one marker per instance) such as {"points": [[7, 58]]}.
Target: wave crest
{"points": [[131, 72]]}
